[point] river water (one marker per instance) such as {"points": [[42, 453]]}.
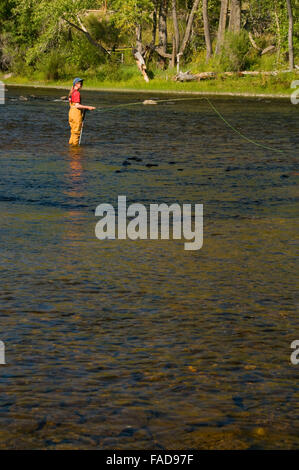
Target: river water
{"points": [[140, 344]]}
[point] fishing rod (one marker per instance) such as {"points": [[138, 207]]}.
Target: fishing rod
{"points": [[212, 106], [83, 117]]}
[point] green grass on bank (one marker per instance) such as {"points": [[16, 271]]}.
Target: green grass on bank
{"points": [[127, 78]]}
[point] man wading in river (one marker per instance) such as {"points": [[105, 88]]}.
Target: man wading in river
{"points": [[75, 114]]}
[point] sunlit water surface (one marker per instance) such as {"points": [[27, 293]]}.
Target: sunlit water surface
{"points": [[141, 344]]}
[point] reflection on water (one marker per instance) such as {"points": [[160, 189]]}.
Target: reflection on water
{"points": [[142, 345], [73, 178]]}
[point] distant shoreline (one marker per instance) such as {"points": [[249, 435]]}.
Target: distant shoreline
{"points": [[143, 91]]}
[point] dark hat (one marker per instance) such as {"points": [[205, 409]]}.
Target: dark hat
{"points": [[77, 80]]}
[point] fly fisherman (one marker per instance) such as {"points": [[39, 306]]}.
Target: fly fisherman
{"points": [[75, 113]]}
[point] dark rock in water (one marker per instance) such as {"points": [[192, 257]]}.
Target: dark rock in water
{"points": [[126, 163], [171, 163], [232, 168], [117, 171], [285, 176], [136, 159], [127, 432], [180, 169], [239, 402], [149, 165]]}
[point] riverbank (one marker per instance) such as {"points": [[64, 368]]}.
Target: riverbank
{"points": [[278, 86]]}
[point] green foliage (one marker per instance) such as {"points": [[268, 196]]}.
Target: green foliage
{"points": [[105, 31], [258, 17], [53, 66], [80, 52], [265, 62], [35, 36], [129, 13], [114, 72], [6, 8], [233, 56]]}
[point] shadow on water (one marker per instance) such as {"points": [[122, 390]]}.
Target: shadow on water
{"points": [[142, 345]]}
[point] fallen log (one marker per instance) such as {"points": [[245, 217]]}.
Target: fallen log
{"points": [[190, 77], [259, 49], [185, 77], [196, 77], [255, 72], [206, 75], [268, 49]]}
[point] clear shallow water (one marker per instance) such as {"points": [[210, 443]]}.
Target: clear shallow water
{"points": [[142, 345]]}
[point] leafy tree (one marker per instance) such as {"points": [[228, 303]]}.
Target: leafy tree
{"points": [[52, 32]]}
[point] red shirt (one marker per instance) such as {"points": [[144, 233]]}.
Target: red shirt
{"points": [[75, 97]]}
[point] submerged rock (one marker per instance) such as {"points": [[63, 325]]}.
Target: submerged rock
{"points": [[149, 102], [136, 159]]}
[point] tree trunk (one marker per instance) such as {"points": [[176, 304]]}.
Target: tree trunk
{"points": [[290, 35], [161, 49], [189, 26], [222, 25], [176, 28], [163, 26], [206, 23], [174, 52], [278, 34], [155, 17], [235, 16], [139, 38], [83, 30]]}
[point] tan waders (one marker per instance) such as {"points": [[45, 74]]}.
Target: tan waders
{"points": [[75, 120]]}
